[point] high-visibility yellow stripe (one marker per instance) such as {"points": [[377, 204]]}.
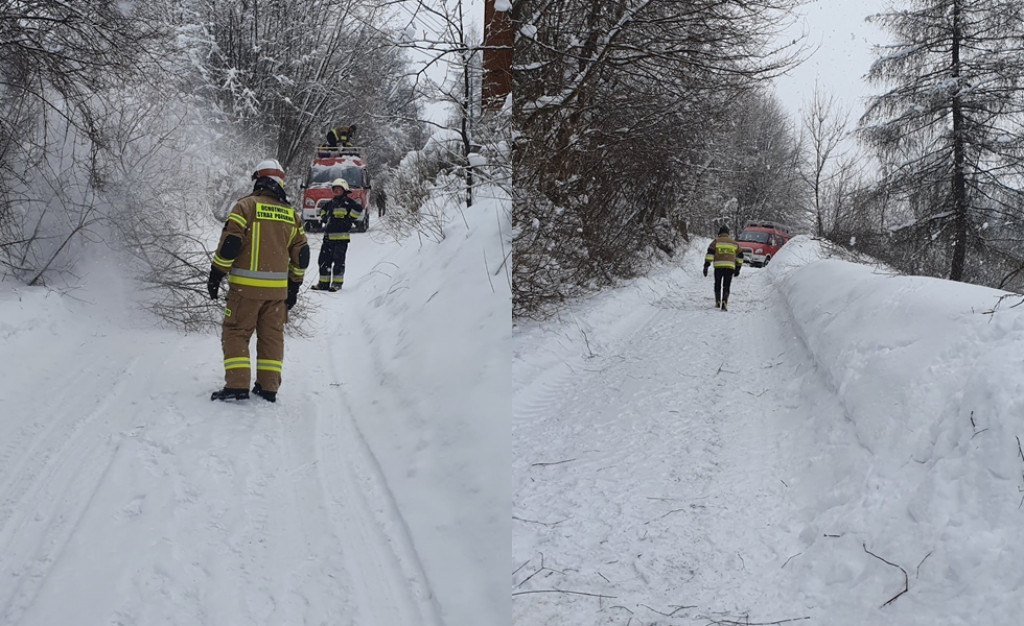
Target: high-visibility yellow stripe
{"points": [[238, 219], [269, 365], [258, 282], [255, 254], [236, 363]]}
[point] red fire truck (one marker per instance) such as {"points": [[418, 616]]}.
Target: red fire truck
{"points": [[329, 164], [761, 240]]}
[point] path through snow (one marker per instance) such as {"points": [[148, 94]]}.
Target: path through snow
{"points": [[656, 469]]}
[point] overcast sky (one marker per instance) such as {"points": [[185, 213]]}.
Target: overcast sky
{"points": [[843, 41]]}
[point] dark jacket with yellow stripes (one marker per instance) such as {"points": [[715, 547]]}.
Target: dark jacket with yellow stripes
{"points": [[724, 252], [338, 216], [262, 247]]}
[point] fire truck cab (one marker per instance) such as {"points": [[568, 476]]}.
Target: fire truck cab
{"points": [[761, 240], [329, 164]]}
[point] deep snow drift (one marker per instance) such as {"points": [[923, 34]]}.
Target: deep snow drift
{"points": [[840, 448], [374, 492]]}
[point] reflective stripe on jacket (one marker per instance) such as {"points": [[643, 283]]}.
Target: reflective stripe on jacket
{"points": [[340, 214], [272, 237], [724, 252]]}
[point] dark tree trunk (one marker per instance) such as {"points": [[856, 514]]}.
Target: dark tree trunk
{"points": [[956, 270]]}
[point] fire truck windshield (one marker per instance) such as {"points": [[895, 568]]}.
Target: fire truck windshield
{"points": [[324, 174]]}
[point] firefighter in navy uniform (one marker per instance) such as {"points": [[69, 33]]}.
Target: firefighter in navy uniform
{"points": [[338, 215], [264, 253], [727, 257]]}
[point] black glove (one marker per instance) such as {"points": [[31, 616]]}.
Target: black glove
{"points": [[736, 272], [293, 294], [213, 282], [705, 269]]}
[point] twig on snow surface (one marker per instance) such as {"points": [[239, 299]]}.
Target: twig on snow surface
{"points": [[906, 579], [918, 572], [566, 591], [533, 521], [975, 427], [721, 368], [672, 614], [666, 514], [790, 559], [727, 622], [1020, 453], [545, 464], [540, 569]]}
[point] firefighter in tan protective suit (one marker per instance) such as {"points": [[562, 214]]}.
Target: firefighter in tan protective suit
{"points": [[264, 253]]}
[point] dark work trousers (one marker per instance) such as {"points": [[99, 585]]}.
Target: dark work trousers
{"points": [[723, 279], [332, 255]]}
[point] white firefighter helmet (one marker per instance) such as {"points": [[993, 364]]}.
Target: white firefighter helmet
{"points": [[271, 169], [339, 182]]}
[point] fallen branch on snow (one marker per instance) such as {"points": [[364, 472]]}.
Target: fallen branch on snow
{"points": [[906, 579]]}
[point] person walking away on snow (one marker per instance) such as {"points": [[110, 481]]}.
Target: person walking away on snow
{"points": [[264, 253], [727, 257], [338, 215]]}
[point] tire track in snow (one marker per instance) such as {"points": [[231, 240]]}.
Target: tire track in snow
{"points": [[388, 582], [389, 579], [58, 469]]}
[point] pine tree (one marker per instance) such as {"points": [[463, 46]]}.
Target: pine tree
{"points": [[948, 132]]}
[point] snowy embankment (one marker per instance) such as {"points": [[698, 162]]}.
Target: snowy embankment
{"points": [[928, 373], [840, 448]]}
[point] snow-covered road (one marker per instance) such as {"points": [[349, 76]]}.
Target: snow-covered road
{"points": [[841, 448], [656, 457], [128, 497], [125, 484]]}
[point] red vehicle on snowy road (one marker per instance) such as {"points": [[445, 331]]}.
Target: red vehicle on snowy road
{"points": [[760, 241], [331, 163]]}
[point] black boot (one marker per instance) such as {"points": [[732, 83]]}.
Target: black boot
{"points": [[228, 393], [269, 396]]}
